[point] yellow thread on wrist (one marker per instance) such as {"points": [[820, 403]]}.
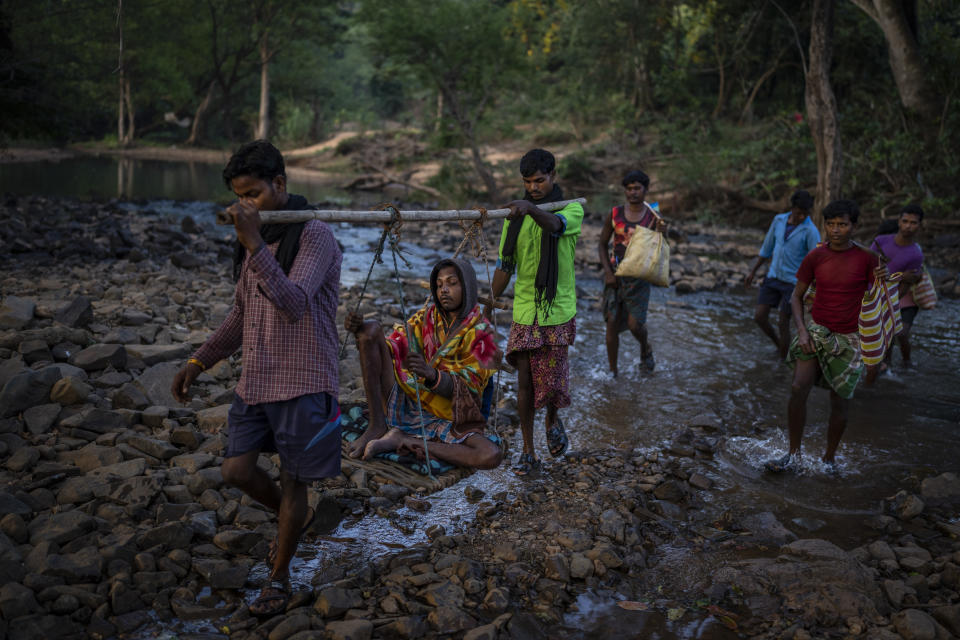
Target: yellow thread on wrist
{"points": [[198, 363]]}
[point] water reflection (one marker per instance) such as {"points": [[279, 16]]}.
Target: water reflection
{"points": [[104, 177]]}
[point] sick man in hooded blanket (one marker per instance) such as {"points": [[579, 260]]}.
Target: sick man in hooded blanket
{"points": [[447, 350]]}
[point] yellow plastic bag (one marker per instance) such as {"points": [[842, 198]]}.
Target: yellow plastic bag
{"points": [[647, 257]]}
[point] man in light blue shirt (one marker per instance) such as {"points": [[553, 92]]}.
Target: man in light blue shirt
{"points": [[791, 236]]}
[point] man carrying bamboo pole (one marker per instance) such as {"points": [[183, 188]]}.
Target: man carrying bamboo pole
{"points": [[539, 247], [425, 380], [284, 316]]}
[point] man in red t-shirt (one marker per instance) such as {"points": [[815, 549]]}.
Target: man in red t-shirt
{"points": [[827, 350]]}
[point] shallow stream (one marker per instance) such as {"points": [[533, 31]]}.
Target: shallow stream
{"points": [[711, 359]]}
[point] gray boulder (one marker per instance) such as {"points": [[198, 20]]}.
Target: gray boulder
{"points": [[155, 382], [129, 396], [16, 313], [85, 565], [16, 600], [100, 356], [152, 354], [35, 351], [349, 630], [70, 390], [44, 627], [946, 486], [40, 418], [79, 313], [92, 456], [766, 528], [152, 447], [61, 528], [222, 574], [96, 420], [26, 390]]}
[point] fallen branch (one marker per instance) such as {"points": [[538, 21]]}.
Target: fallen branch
{"points": [[405, 181], [773, 206]]}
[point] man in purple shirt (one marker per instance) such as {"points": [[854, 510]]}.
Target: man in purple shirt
{"points": [[284, 317], [906, 257]]}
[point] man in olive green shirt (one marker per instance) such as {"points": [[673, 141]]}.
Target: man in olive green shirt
{"points": [[538, 246]]}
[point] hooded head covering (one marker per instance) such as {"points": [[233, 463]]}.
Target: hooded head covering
{"points": [[468, 280], [464, 352]]}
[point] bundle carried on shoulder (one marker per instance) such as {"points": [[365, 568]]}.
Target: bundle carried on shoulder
{"points": [[647, 256], [924, 293], [879, 319]]}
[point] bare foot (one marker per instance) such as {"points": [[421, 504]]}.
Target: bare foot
{"points": [[358, 446], [389, 442]]}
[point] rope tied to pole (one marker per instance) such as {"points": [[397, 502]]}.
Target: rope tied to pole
{"points": [[473, 234], [395, 250], [395, 221]]}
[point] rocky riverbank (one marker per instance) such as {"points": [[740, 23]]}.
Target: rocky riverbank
{"points": [[114, 517]]}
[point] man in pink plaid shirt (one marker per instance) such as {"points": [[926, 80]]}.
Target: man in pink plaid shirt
{"points": [[284, 317]]}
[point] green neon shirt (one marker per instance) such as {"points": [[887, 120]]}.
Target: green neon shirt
{"points": [[528, 259]]}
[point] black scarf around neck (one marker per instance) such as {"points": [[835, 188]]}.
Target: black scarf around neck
{"points": [[288, 235], [548, 271]]}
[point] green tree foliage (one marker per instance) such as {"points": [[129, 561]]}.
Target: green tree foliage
{"points": [[710, 89], [457, 46]]}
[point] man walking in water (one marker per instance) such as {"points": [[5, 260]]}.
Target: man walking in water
{"points": [[539, 247], [906, 257], [827, 350], [284, 316], [791, 236], [625, 300]]}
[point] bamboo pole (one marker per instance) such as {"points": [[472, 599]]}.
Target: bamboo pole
{"points": [[284, 217]]}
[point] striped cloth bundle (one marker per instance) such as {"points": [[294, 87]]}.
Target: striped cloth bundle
{"points": [[924, 293], [879, 319]]}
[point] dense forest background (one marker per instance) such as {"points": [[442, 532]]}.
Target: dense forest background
{"points": [[737, 102]]}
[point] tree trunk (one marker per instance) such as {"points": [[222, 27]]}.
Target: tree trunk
{"points": [[194, 137], [439, 119], [746, 111], [906, 63], [466, 125], [263, 123], [723, 77], [493, 192], [316, 123], [128, 100], [822, 108], [121, 116], [121, 120]]}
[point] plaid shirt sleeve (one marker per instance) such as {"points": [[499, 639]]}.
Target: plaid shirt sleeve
{"points": [[291, 294], [228, 336]]}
